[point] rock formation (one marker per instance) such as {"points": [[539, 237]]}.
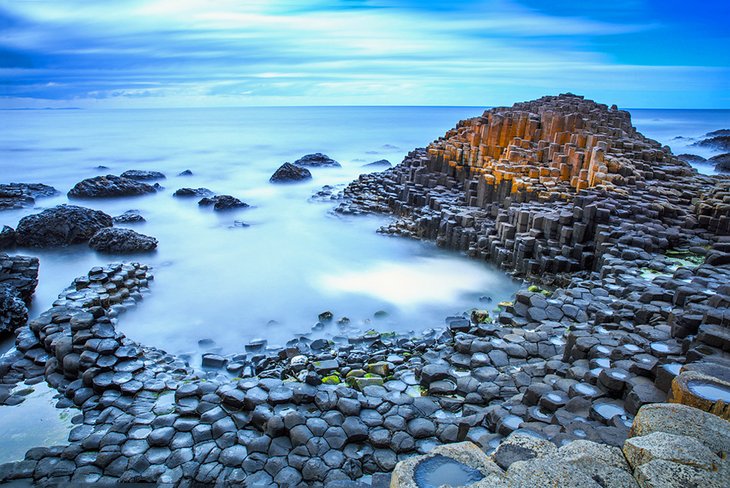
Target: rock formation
{"points": [[192, 192], [317, 160], [288, 172], [138, 174], [61, 226], [109, 186], [222, 202], [19, 195], [112, 240]]}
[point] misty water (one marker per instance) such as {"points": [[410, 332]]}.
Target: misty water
{"points": [[218, 280]]}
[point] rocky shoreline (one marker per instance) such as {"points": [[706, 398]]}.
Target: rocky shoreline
{"points": [[627, 248]]}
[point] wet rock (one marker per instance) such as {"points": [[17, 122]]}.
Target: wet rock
{"points": [[141, 175], [61, 226], [691, 158], [129, 217], [13, 312], [317, 160], [109, 186], [186, 172], [114, 240], [288, 172], [192, 192], [8, 237], [222, 202], [20, 195]]}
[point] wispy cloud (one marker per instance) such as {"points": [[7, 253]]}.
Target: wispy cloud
{"points": [[182, 52]]}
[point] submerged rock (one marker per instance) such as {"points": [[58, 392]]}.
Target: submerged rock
{"points": [[129, 217], [109, 186], [381, 163], [121, 241], [317, 160], [222, 202], [137, 174], [721, 161], [691, 158], [287, 172], [192, 192], [19, 195], [720, 142], [61, 226]]}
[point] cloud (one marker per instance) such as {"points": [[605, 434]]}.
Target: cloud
{"points": [[314, 52]]}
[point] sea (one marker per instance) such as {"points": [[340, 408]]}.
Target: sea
{"points": [[223, 279]]}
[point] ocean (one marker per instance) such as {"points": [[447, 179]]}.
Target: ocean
{"points": [[217, 280]]}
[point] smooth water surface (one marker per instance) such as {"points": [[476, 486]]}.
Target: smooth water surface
{"points": [[50, 425]]}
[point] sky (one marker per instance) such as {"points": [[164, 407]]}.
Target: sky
{"points": [[197, 53]]}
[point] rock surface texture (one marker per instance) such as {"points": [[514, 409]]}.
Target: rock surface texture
{"points": [[317, 160], [19, 195], [629, 250], [109, 186], [61, 226], [111, 240], [288, 172]]}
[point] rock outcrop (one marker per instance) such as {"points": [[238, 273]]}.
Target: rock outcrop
{"points": [[141, 175], [8, 237], [288, 172], [61, 226], [192, 192], [222, 202], [109, 186], [19, 195], [121, 241], [129, 217], [317, 160]]}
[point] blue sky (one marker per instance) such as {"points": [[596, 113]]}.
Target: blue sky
{"points": [[160, 53]]}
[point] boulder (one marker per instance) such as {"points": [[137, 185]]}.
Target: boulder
{"points": [[317, 160], [109, 186], [13, 312], [19, 195], [140, 175], [192, 192], [675, 418], [8, 237], [222, 202], [113, 240], [129, 217], [61, 226], [287, 172], [187, 172]]}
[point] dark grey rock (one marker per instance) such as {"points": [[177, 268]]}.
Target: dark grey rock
{"points": [[61, 226], [222, 202], [109, 186], [141, 175], [114, 240], [317, 160], [288, 172]]}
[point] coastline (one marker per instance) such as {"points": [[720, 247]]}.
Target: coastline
{"points": [[631, 246]]}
